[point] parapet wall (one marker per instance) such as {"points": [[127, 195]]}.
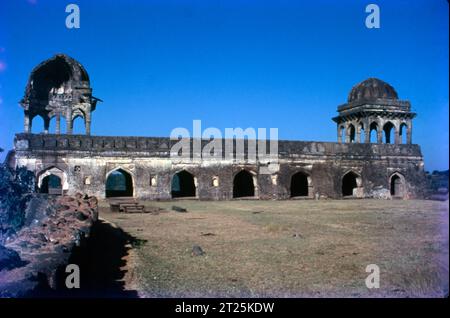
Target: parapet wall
{"points": [[160, 147]]}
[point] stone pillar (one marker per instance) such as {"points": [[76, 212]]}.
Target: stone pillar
{"points": [[358, 133], [27, 124], [347, 134], [69, 123], [366, 132], [379, 135], [46, 124], [409, 133], [87, 123], [339, 133], [397, 133], [58, 124]]}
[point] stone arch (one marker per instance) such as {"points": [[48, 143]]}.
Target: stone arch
{"points": [[37, 127], [78, 125], [351, 131], [361, 132], [301, 185], [78, 116], [78, 113], [373, 138], [119, 182], [341, 132], [183, 184], [244, 184], [388, 132], [350, 184], [47, 184], [403, 133], [397, 185]]}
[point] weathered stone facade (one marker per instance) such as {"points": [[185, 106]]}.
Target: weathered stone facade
{"points": [[354, 168]]}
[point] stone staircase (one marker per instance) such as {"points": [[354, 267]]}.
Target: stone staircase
{"points": [[126, 205]]}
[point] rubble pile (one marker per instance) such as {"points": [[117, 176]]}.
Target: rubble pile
{"points": [[54, 227]]}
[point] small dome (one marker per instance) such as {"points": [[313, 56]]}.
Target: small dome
{"points": [[370, 89]]}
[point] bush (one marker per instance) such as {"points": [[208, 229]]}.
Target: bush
{"points": [[16, 187]]}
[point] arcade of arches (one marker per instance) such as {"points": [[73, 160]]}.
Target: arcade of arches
{"points": [[119, 183]]}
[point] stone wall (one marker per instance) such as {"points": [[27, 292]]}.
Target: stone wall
{"points": [[86, 161]]}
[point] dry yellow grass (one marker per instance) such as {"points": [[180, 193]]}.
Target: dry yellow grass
{"points": [[295, 248]]}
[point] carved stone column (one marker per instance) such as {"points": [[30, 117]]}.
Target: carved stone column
{"points": [[46, 124], [397, 133], [69, 122], [409, 133], [27, 124], [339, 133], [87, 123], [366, 132], [358, 133], [379, 135], [58, 123]]}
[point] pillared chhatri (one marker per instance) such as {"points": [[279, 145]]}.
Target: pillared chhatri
{"points": [[374, 156]]}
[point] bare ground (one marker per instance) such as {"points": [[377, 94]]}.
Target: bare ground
{"points": [[299, 248]]}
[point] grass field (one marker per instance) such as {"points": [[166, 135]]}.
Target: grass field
{"points": [[301, 248]]}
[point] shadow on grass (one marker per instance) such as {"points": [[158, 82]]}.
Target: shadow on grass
{"points": [[101, 261]]}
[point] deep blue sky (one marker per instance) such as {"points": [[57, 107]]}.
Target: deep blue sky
{"points": [[287, 64]]}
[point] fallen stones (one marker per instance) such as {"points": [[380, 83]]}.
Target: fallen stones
{"points": [[64, 222], [81, 216], [38, 208], [197, 251], [9, 259], [207, 234], [178, 209], [380, 193]]}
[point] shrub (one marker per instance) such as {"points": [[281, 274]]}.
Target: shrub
{"points": [[16, 187]]}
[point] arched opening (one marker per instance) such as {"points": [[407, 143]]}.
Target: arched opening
{"points": [[349, 183], [397, 186], [388, 128], [342, 133], [62, 125], [37, 124], [51, 184], [362, 135], [373, 133], [78, 127], [352, 133], [52, 180], [243, 185], [299, 185], [119, 183], [183, 185], [52, 125], [403, 130]]}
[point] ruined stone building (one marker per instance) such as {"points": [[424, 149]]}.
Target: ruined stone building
{"points": [[374, 155]]}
